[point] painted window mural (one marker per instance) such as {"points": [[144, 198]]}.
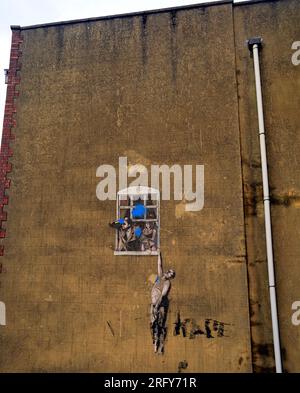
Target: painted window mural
{"points": [[137, 224]]}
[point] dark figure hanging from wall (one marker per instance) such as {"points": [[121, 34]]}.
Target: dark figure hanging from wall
{"points": [[159, 306]]}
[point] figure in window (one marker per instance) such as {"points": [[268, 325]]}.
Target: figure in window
{"points": [[149, 237]]}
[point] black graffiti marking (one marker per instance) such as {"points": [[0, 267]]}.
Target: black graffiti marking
{"points": [[207, 329], [192, 327], [110, 328], [179, 325], [189, 328], [219, 328]]}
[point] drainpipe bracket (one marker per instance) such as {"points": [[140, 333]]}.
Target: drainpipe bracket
{"points": [[254, 41]]}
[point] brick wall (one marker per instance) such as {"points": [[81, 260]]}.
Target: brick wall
{"points": [[8, 124]]}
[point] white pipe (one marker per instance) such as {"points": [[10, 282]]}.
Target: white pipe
{"points": [[268, 228]]}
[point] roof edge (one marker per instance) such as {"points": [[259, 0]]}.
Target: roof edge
{"points": [[140, 13], [126, 15], [249, 2]]}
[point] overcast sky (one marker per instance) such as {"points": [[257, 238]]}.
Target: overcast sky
{"points": [[30, 12]]}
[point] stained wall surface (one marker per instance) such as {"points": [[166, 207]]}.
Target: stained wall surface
{"points": [[278, 24], [174, 87]]}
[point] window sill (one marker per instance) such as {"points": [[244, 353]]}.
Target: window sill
{"points": [[136, 253]]}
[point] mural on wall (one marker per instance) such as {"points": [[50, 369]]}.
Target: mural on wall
{"points": [[137, 223], [137, 233]]}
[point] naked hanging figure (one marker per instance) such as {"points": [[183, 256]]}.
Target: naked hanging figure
{"points": [[160, 305]]}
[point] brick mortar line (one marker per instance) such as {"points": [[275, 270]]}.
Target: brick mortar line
{"points": [[9, 123]]}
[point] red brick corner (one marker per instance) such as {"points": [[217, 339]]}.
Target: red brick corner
{"points": [[8, 124]]}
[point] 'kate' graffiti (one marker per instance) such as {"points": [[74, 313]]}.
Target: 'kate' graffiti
{"points": [[189, 328]]}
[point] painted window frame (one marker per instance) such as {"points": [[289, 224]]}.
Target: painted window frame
{"points": [[135, 192]]}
